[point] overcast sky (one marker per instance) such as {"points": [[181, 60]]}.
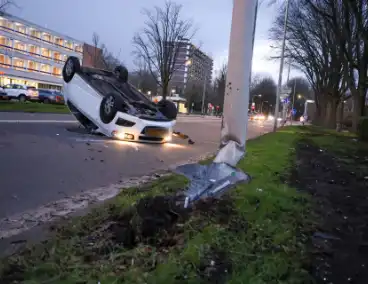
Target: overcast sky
{"points": [[116, 21]]}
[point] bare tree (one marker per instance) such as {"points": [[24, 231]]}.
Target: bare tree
{"points": [[313, 49], [159, 42], [5, 4], [101, 56], [219, 87], [348, 21], [262, 92]]}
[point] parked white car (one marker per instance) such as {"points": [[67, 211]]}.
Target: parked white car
{"points": [[21, 92], [104, 102]]}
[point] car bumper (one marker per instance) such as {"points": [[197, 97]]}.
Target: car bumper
{"points": [[141, 130], [4, 96], [33, 99]]}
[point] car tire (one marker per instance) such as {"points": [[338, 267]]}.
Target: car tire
{"points": [[121, 73], [109, 107], [168, 109], [46, 101], [71, 66], [22, 98]]}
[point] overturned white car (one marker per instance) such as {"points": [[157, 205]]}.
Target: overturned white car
{"points": [[104, 102]]}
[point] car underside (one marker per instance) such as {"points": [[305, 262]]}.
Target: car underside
{"points": [[105, 102]]}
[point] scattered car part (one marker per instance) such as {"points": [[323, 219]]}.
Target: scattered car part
{"points": [[209, 180]]}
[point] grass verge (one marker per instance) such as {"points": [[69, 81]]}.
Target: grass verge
{"points": [[33, 107], [255, 234]]}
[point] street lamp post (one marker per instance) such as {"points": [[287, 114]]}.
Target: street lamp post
{"points": [[204, 90], [292, 106], [281, 68], [234, 131]]}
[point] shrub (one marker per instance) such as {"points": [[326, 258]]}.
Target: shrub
{"points": [[363, 128]]}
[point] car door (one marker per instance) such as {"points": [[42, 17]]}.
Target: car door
{"points": [[9, 90]]}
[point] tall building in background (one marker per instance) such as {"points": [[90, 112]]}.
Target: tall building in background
{"points": [[33, 55], [193, 66]]}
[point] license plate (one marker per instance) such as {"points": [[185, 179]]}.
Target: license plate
{"points": [[155, 132]]}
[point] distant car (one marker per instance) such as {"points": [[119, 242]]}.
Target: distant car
{"points": [[256, 116], [50, 97], [21, 92], [3, 95], [105, 102]]}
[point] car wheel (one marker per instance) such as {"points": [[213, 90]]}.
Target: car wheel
{"points": [[168, 109], [46, 101], [108, 108], [22, 98], [72, 66], [121, 73]]}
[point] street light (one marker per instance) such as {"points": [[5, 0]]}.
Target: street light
{"points": [[281, 67]]}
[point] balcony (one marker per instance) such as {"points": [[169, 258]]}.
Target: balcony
{"points": [[11, 29], [36, 75], [29, 50]]}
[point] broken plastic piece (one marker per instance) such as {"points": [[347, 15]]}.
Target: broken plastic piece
{"points": [[210, 180]]}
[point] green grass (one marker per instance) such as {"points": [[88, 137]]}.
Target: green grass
{"points": [[272, 218], [33, 107]]}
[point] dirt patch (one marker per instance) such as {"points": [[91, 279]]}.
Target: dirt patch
{"points": [[157, 223], [339, 186], [146, 231]]}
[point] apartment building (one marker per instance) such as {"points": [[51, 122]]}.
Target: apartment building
{"points": [[33, 55], [192, 66]]}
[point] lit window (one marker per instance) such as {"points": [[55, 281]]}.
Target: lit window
{"points": [[31, 66], [45, 68], [45, 52], [47, 37], [35, 33], [56, 71]]}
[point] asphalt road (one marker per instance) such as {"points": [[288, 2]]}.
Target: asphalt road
{"points": [[45, 157]]}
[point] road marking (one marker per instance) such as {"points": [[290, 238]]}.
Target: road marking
{"points": [[38, 121]]}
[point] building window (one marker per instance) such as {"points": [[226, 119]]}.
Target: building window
{"points": [[56, 71], [32, 66], [4, 41], [5, 61], [69, 44], [79, 48], [18, 64], [33, 49], [57, 56], [19, 46], [59, 41], [19, 28], [45, 68], [45, 52], [47, 37], [35, 33], [3, 23]]}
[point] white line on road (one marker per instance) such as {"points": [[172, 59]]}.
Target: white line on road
{"points": [[38, 121]]}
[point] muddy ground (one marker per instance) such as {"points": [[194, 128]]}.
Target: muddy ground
{"points": [[338, 184]]}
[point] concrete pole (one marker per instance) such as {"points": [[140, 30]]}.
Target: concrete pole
{"points": [[278, 92], [292, 106], [233, 134], [204, 91]]}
